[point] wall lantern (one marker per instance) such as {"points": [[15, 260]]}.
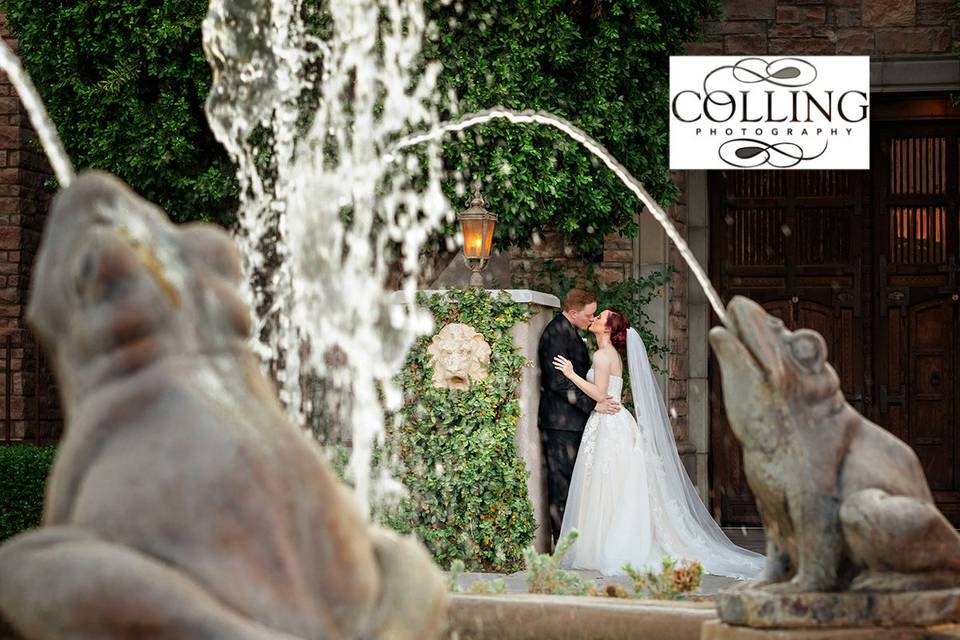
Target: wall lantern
{"points": [[477, 225]]}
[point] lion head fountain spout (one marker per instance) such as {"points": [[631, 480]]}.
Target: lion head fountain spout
{"points": [[182, 503]]}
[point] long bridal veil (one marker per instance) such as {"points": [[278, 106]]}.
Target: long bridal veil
{"points": [[682, 527]]}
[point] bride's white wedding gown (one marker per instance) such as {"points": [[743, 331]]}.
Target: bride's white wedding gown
{"points": [[630, 499]]}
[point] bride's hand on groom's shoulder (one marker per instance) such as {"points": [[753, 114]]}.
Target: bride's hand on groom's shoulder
{"points": [[563, 365]]}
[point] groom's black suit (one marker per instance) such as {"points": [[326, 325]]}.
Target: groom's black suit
{"points": [[563, 412]]}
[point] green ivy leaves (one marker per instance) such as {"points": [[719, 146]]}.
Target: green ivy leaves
{"points": [[601, 65], [125, 83], [23, 476], [455, 451]]}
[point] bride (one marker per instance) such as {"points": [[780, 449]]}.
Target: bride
{"points": [[630, 498]]}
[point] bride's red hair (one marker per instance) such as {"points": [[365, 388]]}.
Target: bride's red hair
{"points": [[618, 325]]}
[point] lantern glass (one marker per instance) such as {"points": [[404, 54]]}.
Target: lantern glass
{"points": [[488, 237], [477, 237]]}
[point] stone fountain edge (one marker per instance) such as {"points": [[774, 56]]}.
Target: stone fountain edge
{"points": [[521, 616]]}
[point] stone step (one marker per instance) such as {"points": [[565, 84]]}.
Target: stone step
{"points": [[747, 537]]}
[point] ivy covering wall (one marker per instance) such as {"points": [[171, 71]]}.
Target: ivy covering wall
{"points": [[601, 64], [125, 82], [455, 451]]}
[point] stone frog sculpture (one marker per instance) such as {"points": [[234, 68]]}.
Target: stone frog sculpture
{"points": [[182, 503], [845, 504]]}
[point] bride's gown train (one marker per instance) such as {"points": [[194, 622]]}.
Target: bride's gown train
{"points": [[630, 498]]}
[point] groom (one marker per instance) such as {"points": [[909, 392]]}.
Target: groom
{"points": [[564, 408]]}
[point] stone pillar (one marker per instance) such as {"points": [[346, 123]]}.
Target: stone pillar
{"points": [[678, 358], [680, 319], [650, 254], [526, 337], [698, 326]]}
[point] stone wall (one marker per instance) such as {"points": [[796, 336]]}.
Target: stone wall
{"points": [[678, 360], [550, 246], [615, 265], [618, 259], [24, 382], [831, 27]]}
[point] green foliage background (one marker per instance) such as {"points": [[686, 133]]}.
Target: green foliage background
{"points": [[125, 83], [601, 64], [455, 450], [23, 476]]}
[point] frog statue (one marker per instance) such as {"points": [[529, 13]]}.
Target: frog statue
{"points": [[845, 504], [182, 503]]}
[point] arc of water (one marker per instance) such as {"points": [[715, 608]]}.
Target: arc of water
{"points": [[598, 150], [37, 113]]}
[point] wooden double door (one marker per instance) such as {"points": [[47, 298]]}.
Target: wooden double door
{"points": [[870, 261]]}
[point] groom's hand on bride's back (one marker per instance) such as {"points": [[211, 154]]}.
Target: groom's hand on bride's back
{"points": [[609, 405]]}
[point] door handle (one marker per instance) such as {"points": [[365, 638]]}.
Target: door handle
{"points": [[886, 398]]}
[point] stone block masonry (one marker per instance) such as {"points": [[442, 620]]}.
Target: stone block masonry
{"points": [[831, 27], [28, 407], [677, 330]]}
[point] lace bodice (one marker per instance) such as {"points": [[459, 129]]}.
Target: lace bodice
{"points": [[614, 387]]}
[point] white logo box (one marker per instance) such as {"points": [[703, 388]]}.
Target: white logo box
{"points": [[769, 112]]}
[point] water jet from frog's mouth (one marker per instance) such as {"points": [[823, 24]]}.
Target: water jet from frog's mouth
{"points": [[578, 135], [37, 113]]}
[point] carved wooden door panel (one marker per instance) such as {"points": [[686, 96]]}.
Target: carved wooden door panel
{"points": [[790, 240], [918, 314], [872, 262]]}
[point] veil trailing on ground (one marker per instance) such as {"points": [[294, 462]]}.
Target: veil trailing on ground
{"points": [[681, 525]]}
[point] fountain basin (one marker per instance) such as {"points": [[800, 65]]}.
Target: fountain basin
{"points": [[535, 616], [716, 630], [760, 608]]}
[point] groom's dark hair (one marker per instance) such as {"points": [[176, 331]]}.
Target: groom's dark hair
{"points": [[577, 299]]}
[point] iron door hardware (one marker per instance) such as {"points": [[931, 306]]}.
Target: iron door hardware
{"points": [[886, 399]]}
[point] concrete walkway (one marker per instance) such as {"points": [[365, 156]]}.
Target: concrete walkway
{"points": [[516, 582], [747, 537]]}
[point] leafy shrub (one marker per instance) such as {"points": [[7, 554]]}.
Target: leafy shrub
{"points": [[125, 84], [478, 587], [670, 583], [544, 574], [23, 475], [455, 451], [602, 65]]}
